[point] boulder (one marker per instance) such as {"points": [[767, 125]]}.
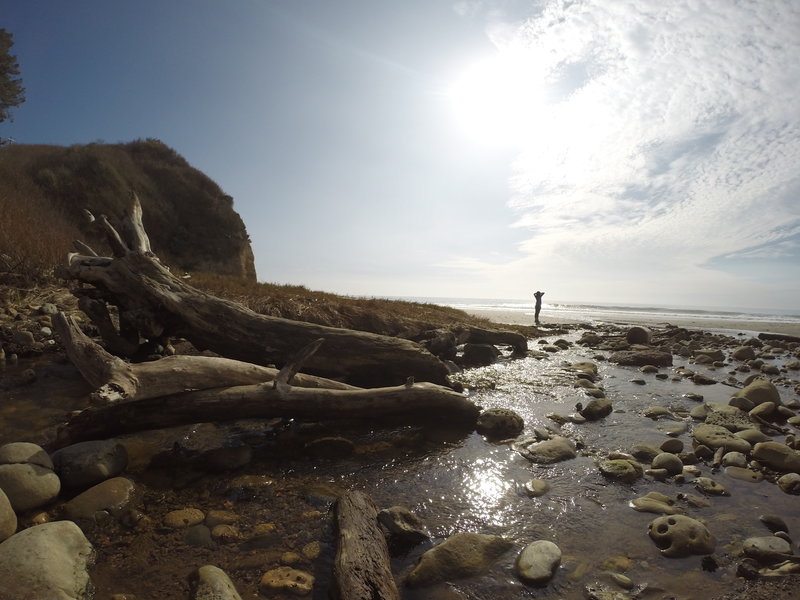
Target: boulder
{"points": [[596, 409], [83, 465], [744, 353], [499, 423], [479, 355], [668, 461], [28, 485], [461, 555], [639, 358], [759, 391], [767, 549], [678, 536], [112, 496], [46, 561], [538, 561], [212, 583], [777, 456], [639, 335]]}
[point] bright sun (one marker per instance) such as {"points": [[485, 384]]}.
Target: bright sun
{"points": [[495, 101]]}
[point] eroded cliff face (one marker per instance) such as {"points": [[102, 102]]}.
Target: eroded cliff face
{"points": [[191, 222]]}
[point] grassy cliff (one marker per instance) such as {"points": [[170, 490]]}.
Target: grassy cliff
{"points": [[43, 190]]}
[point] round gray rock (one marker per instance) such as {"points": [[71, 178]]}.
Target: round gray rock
{"points": [[112, 496], [8, 518], [212, 583], [538, 561], [88, 463], [46, 561], [25, 452], [28, 486], [668, 461], [767, 549]]}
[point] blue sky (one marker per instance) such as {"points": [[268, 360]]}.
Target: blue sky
{"points": [[635, 151]]}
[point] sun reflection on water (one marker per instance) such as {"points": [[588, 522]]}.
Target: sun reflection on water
{"points": [[485, 487]]}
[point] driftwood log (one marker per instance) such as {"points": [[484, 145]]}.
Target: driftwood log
{"points": [[153, 304], [361, 569], [165, 393]]}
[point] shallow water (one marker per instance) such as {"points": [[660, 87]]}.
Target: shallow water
{"points": [[454, 482]]}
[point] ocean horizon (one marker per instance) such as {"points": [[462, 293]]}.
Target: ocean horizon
{"points": [[609, 311]]}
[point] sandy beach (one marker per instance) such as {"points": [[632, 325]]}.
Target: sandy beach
{"points": [[731, 327]]}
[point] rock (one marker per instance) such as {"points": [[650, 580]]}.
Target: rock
{"points": [[777, 456], [220, 517], [113, 496], [713, 353], [479, 355], [671, 445], [404, 527], [744, 353], [734, 459], [759, 391], [620, 469], [743, 474], [8, 518], [185, 517], [639, 335], [286, 579], [461, 555], [88, 463], [679, 536], [668, 461], [654, 502], [790, 483], [710, 487], [536, 487], [596, 409], [655, 412], [639, 358], [25, 453], [645, 452], [702, 379], [227, 458], [28, 485], [716, 436], [198, 536], [727, 416], [47, 561], [212, 583], [767, 549], [499, 423], [554, 450], [538, 561], [774, 523], [752, 436]]}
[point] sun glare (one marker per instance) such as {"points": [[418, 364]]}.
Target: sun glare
{"points": [[494, 101]]}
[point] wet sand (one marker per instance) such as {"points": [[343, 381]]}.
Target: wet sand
{"points": [[732, 327]]}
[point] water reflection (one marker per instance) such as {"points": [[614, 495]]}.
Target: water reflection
{"points": [[485, 488]]}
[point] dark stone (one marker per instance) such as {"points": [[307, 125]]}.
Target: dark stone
{"points": [[479, 355], [640, 358]]}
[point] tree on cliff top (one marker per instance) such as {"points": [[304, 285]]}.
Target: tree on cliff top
{"points": [[11, 91]]}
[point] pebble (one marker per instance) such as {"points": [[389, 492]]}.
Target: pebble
{"points": [[538, 561], [185, 517], [626, 471], [536, 487], [555, 449], [198, 536], [653, 502], [286, 580]]}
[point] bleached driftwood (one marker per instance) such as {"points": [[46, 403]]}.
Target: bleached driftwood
{"points": [[153, 304]]}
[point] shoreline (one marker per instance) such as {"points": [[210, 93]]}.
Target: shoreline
{"points": [[732, 327]]}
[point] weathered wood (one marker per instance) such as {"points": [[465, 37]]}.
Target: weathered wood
{"points": [[362, 568], [116, 380], [416, 403], [158, 304]]}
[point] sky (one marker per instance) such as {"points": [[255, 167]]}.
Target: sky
{"points": [[634, 151]]}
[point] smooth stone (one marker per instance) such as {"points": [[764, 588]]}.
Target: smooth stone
{"points": [[224, 533], [538, 561], [184, 517], [744, 353], [752, 436], [286, 579], [741, 403], [640, 358], [777, 456], [639, 335], [734, 459], [654, 412], [649, 369], [596, 409], [461, 555], [47, 561], [716, 436], [500, 422], [713, 353], [198, 536], [655, 503], [657, 474], [678, 536], [766, 549], [702, 379], [556, 449], [8, 518], [645, 452], [212, 583], [790, 483], [709, 486], [759, 391], [673, 429], [220, 517], [227, 458], [25, 453], [694, 501], [536, 487], [672, 445], [403, 525], [668, 461], [774, 523], [763, 411], [620, 469], [85, 464], [743, 474], [112, 496], [28, 485]]}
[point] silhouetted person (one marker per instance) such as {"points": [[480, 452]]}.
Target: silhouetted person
{"points": [[538, 296]]}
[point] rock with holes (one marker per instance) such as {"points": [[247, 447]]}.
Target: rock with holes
{"points": [[499, 423], [678, 536], [286, 580]]}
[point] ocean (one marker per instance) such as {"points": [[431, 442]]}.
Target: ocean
{"points": [[610, 312]]}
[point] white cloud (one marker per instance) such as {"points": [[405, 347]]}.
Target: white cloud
{"points": [[673, 137]]}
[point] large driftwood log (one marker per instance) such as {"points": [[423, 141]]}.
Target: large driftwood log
{"points": [[361, 569], [156, 304], [116, 380], [413, 403]]}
